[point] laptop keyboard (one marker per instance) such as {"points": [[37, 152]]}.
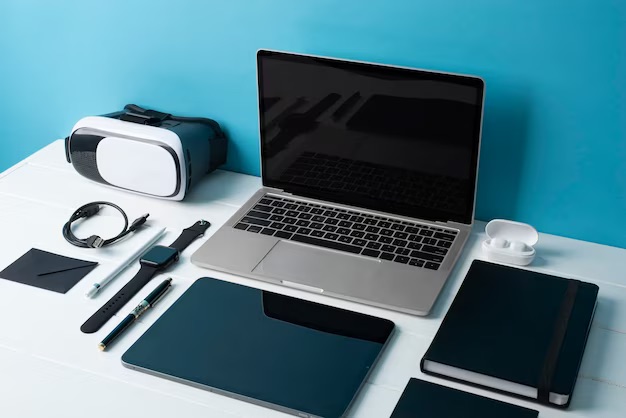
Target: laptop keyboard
{"points": [[353, 232]]}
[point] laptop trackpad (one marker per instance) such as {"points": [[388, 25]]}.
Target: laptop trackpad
{"points": [[318, 268]]}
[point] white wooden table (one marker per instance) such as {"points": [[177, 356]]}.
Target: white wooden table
{"points": [[48, 368]]}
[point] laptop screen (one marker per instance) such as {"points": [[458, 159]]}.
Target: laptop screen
{"points": [[396, 140]]}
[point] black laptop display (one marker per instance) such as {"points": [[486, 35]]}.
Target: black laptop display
{"points": [[390, 139]]}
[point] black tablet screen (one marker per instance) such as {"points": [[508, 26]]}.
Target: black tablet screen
{"points": [[286, 353]]}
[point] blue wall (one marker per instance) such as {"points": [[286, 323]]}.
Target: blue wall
{"points": [[554, 144]]}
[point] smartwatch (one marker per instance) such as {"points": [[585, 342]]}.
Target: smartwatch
{"points": [[154, 261]]}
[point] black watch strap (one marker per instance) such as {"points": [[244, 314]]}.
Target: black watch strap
{"points": [[143, 276], [189, 235]]}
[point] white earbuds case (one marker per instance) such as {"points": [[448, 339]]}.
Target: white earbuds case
{"points": [[510, 242]]}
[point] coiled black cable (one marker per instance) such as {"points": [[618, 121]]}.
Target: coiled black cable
{"points": [[95, 241]]}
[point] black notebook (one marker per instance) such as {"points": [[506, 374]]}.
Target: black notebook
{"points": [[515, 331], [430, 400]]}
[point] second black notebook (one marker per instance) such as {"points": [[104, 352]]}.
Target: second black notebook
{"points": [[516, 331]]}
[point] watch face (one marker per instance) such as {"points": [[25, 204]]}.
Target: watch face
{"points": [[159, 255]]}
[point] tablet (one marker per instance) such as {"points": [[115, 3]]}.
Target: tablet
{"points": [[277, 351]]}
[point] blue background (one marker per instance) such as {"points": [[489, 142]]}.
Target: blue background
{"points": [[554, 141]]}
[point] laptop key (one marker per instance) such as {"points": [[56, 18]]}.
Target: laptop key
{"points": [[386, 232], [283, 234], [385, 240], [388, 248], [427, 256], [429, 241], [415, 238], [345, 239], [276, 218], [384, 224], [255, 221], [371, 237], [279, 211], [400, 243], [370, 221], [431, 265], [343, 216], [302, 208], [265, 201], [305, 216], [416, 262], [329, 213], [426, 232], [400, 235], [278, 204], [316, 225], [414, 246], [290, 220], [257, 214], [292, 213], [307, 239], [372, 229], [290, 206], [359, 242], [434, 250], [343, 231], [290, 228], [241, 226], [316, 211], [263, 208], [397, 227], [330, 228], [277, 225], [318, 218], [356, 218], [359, 227], [411, 230], [304, 231], [254, 228], [357, 234], [330, 235], [370, 253], [444, 236], [317, 233], [268, 231], [444, 244], [374, 245], [387, 256], [302, 222], [401, 259], [345, 224]]}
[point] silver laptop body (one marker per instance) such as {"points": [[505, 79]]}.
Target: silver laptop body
{"points": [[369, 175]]}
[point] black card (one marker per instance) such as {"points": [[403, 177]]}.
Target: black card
{"points": [[47, 270], [422, 399]]}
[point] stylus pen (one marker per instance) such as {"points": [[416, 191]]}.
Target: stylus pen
{"points": [[98, 286], [148, 302]]}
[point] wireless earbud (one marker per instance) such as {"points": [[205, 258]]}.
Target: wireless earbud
{"points": [[518, 246], [510, 242]]}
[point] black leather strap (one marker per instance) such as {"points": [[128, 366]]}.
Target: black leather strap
{"points": [[121, 298], [145, 274], [190, 234], [552, 355]]}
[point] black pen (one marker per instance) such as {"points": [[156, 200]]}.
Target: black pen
{"points": [[148, 302]]}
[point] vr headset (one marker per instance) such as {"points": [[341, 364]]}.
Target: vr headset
{"points": [[145, 151]]}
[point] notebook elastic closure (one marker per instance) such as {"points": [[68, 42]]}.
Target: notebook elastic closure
{"points": [[554, 349]]}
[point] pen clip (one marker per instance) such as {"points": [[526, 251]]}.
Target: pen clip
{"points": [[158, 298]]}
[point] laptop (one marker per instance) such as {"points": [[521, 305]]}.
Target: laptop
{"points": [[369, 181]]}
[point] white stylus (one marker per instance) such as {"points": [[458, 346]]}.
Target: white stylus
{"points": [[97, 286]]}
